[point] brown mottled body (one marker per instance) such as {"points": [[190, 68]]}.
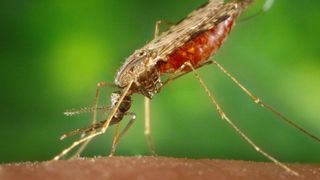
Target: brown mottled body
{"points": [[194, 39]]}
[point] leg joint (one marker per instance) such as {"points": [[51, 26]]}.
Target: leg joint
{"points": [[147, 132]]}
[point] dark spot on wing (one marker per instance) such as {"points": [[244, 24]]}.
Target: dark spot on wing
{"points": [[197, 33], [218, 21], [221, 19]]}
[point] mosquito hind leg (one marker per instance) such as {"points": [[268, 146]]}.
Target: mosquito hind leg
{"points": [[179, 73], [234, 126], [265, 105], [117, 136], [96, 133]]}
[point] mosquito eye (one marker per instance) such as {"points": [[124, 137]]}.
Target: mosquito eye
{"points": [[141, 53]]}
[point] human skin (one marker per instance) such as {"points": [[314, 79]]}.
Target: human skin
{"points": [[140, 167]]}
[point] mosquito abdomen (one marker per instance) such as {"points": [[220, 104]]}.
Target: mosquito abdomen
{"points": [[199, 48]]}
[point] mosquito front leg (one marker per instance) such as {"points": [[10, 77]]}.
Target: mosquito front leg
{"points": [[147, 127], [118, 136], [263, 104], [94, 118], [96, 99], [235, 127], [101, 131]]}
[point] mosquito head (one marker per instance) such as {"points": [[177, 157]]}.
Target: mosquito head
{"points": [[141, 54]]}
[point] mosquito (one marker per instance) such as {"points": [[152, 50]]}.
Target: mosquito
{"points": [[183, 48]]}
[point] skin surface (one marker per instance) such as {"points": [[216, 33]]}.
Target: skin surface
{"points": [[153, 168]]}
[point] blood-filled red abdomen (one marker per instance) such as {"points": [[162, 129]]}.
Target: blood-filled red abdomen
{"points": [[198, 49]]}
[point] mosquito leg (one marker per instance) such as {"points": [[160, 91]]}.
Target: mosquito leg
{"points": [[178, 73], [147, 128], [86, 130], [102, 130], [116, 134], [147, 131], [119, 136], [157, 27], [263, 104], [235, 127], [131, 121], [96, 99], [94, 118]]}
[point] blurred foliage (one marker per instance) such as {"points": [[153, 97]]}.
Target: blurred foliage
{"points": [[54, 52]]}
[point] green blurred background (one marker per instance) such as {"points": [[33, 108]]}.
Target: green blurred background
{"points": [[54, 52]]}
